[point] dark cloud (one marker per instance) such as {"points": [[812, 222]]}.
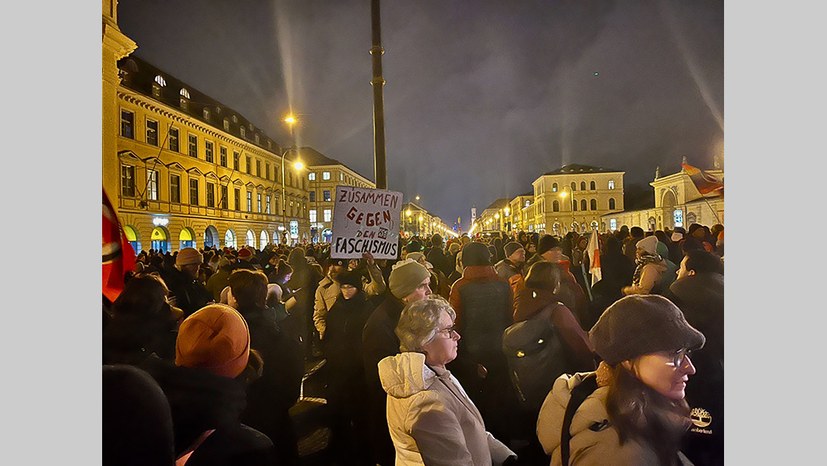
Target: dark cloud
{"points": [[481, 96]]}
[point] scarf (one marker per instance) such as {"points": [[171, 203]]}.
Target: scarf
{"points": [[645, 258]]}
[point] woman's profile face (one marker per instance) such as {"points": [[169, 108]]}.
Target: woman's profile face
{"points": [[665, 372], [442, 349]]}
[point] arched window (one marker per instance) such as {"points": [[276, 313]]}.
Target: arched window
{"points": [[554, 188], [229, 239], [251, 238], [592, 185], [573, 186], [611, 184], [555, 206], [611, 203], [594, 204], [583, 205], [582, 186]]}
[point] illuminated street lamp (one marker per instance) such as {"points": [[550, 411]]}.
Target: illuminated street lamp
{"points": [[291, 121]]}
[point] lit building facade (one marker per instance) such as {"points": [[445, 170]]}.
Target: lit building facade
{"points": [[323, 175], [182, 169], [576, 198]]}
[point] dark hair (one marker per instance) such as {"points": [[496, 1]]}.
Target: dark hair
{"points": [[144, 294], [689, 243], [702, 261], [543, 275], [249, 288], [636, 232], [640, 413]]}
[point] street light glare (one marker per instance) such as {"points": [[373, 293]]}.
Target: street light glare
{"points": [[290, 120], [298, 165]]}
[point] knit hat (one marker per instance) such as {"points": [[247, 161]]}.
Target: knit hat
{"points": [[547, 243], [340, 262], [350, 277], [641, 324], [215, 338], [475, 253], [454, 248], [511, 247], [245, 254], [417, 256], [648, 244], [405, 276], [413, 246], [188, 256]]}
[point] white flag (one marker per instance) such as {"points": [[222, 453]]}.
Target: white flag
{"points": [[593, 250]]}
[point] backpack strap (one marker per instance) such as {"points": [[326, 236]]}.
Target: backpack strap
{"points": [[578, 395]]}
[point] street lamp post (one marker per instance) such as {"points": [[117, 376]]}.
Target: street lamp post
{"points": [[291, 121]]}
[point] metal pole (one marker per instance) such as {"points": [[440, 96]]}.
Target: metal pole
{"points": [[283, 192], [377, 83]]}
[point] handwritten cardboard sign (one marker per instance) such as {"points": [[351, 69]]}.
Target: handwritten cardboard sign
{"points": [[365, 220]]}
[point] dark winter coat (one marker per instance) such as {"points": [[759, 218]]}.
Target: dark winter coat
{"points": [[701, 298], [271, 396], [199, 401], [189, 293]]}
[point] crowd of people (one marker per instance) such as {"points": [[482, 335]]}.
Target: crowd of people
{"points": [[470, 351]]}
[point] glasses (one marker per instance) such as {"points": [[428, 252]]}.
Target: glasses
{"points": [[679, 358], [449, 332]]}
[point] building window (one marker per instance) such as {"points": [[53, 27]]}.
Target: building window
{"points": [[258, 168], [312, 216], [311, 176], [554, 188], [312, 196], [127, 181], [611, 203], [267, 171], [582, 186], [193, 146], [325, 176], [583, 205], [267, 203], [226, 125], [127, 124], [208, 151], [592, 186], [237, 199], [173, 139], [249, 201], [326, 196], [341, 176], [555, 206], [152, 185], [573, 186], [193, 192], [175, 189], [236, 156], [327, 215], [206, 114], [152, 132], [224, 197], [593, 204], [223, 156], [249, 165], [258, 202], [210, 194], [613, 224], [243, 132], [611, 184]]}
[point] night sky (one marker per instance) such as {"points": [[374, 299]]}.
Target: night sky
{"points": [[481, 97]]}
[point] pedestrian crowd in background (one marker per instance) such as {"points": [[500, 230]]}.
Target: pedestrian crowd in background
{"points": [[473, 350]]}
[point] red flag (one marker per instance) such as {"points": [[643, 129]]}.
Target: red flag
{"points": [[705, 182], [118, 255]]}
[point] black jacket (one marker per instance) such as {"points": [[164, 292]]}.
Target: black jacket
{"points": [[270, 397], [200, 401]]}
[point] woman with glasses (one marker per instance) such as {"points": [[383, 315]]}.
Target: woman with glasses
{"points": [[431, 418], [637, 415]]}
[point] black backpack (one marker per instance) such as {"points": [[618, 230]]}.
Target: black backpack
{"points": [[535, 358]]}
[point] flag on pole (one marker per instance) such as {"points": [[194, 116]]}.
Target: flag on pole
{"points": [[705, 183], [118, 255], [593, 250]]}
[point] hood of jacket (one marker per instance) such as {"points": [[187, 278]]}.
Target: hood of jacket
{"points": [[405, 374]]}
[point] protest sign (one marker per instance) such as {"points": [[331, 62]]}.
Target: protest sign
{"points": [[365, 220]]}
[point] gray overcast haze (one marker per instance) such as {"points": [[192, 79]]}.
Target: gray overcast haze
{"points": [[481, 97]]}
